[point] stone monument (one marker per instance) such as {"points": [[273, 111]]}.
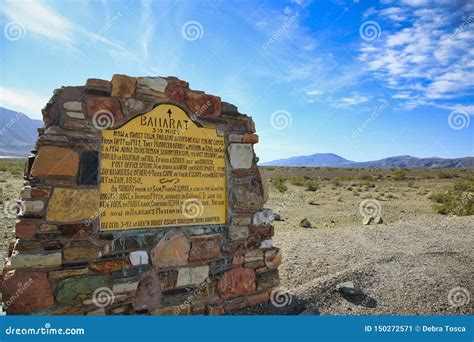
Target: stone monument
{"points": [[141, 196]]}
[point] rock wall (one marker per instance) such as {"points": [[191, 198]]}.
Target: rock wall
{"points": [[60, 263]]}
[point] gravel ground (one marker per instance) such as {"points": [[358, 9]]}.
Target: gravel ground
{"points": [[403, 268]]}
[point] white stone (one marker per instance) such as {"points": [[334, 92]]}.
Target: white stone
{"points": [[36, 260], [192, 275], [138, 258], [264, 217], [76, 115], [26, 192], [32, 206], [238, 232], [73, 105], [241, 156], [125, 287], [235, 138], [154, 83], [266, 243]]}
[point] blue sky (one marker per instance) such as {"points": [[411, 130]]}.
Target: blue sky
{"points": [[363, 79]]}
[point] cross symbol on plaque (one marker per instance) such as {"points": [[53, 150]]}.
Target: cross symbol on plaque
{"points": [[169, 113]]}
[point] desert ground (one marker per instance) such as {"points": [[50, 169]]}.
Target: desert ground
{"points": [[406, 265]]}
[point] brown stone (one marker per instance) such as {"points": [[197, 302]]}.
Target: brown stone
{"points": [[264, 231], [78, 251], [25, 229], [232, 248], [75, 230], [202, 104], [250, 138], [180, 310], [123, 86], [259, 298], [175, 93], [171, 251], [205, 249], [99, 105], [55, 161], [95, 83], [177, 82], [67, 273], [69, 205], [109, 265], [236, 282], [26, 291], [38, 193], [22, 245], [273, 258], [238, 260], [236, 304]]}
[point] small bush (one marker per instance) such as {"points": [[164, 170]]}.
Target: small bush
{"points": [[367, 178], [464, 185], [399, 174], [460, 203], [297, 180], [279, 184], [335, 181], [411, 184], [312, 186], [14, 166], [447, 175]]}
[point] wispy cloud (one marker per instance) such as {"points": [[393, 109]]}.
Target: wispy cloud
{"points": [[22, 101], [430, 60]]}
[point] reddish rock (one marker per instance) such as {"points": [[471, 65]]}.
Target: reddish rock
{"points": [[177, 82], [175, 93], [123, 86], [98, 84], [78, 251], [26, 291], [236, 282], [75, 230], [273, 258], [25, 229], [202, 104], [171, 251], [109, 265], [38, 193], [55, 161], [250, 138], [205, 249], [259, 298], [264, 231], [238, 260], [99, 105]]}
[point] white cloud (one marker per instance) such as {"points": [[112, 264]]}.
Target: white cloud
{"points": [[314, 92], [22, 101], [430, 60], [350, 101]]}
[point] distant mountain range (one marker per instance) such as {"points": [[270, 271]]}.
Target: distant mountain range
{"points": [[18, 133], [333, 160]]}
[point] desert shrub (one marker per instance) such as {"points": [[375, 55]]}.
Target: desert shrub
{"points": [[399, 174], [457, 201], [411, 184], [312, 185], [14, 166], [297, 180], [447, 174], [367, 178], [279, 184], [335, 181]]}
